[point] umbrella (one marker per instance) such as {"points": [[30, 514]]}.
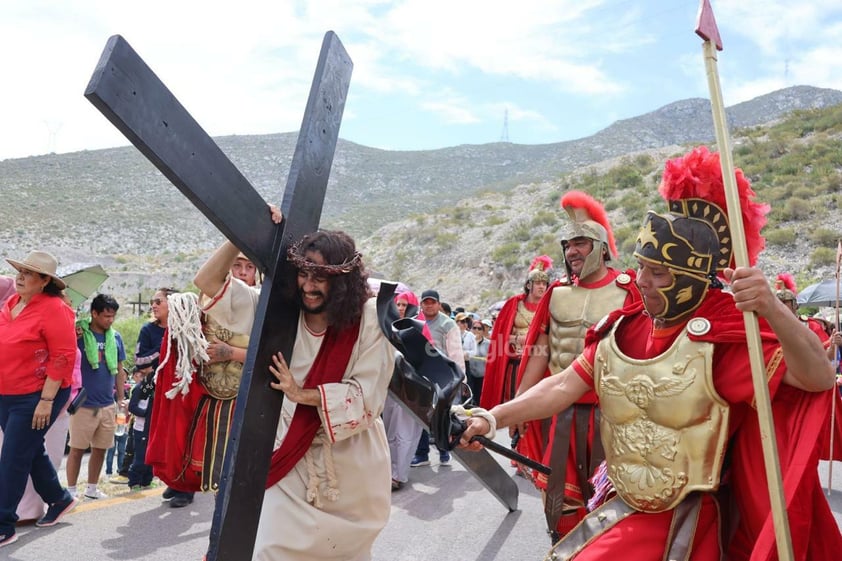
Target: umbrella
{"points": [[819, 295], [374, 284], [82, 281], [495, 308]]}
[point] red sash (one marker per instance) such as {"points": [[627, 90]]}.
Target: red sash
{"points": [[328, 367]]}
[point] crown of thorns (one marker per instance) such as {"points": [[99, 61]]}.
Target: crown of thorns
{"points": [[295, 257]]}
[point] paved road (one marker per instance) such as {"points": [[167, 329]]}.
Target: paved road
{"points": [[444, 514]]}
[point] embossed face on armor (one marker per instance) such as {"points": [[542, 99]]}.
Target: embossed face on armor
{"points": [[664, 427]]}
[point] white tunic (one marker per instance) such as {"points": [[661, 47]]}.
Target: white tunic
{"points": [[348, 461]]}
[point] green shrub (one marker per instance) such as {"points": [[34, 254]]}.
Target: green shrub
{"points": [[824, 237], [780, 236], [129, 327], [804, 193], [544, 218], [796, 209], [823, 256], [507, 254], [522, 232], [446, 239]]}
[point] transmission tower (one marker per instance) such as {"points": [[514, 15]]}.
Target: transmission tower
{"points": [[53, 129], [504, 136]]}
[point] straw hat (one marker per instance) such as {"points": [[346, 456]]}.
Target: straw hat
{"points": [[40, 262]]}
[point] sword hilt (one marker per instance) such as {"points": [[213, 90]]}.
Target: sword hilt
{"points": [[458, 426]]}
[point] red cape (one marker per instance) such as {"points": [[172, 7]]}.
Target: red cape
{"points": [[798, 419], [168, 450], [498, 353], [832, 423]]}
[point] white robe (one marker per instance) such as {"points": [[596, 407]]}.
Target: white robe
{"points": [[348, 461]]}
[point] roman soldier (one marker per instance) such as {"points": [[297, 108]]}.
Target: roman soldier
{"points": [[679, 422], [509, 335], [569, 442]]}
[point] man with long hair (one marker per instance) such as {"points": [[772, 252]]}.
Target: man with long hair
{"points": [[328, 493]]}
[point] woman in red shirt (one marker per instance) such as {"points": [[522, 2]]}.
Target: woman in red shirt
{"points": [[38, 346]]}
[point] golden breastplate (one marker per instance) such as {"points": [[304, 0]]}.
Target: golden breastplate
{"points": [[523, 317], [222, 379], [664, 427], [573, 310]]}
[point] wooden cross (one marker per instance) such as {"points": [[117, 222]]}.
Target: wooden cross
{"points": [[137, 305], [132, 97]]}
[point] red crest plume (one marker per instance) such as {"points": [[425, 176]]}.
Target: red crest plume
{"points": [[542, 263], [698, 175], [582, 206], [788, 281]]}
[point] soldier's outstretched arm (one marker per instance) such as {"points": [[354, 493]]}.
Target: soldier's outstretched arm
{"points": [[548, 397]]}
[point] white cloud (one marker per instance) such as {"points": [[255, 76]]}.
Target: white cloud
{"points": [[452, 109], [776, 25], [541, 41], [246, 67]]}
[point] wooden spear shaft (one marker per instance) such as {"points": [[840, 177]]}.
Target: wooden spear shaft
{"points": [[706, 28]]}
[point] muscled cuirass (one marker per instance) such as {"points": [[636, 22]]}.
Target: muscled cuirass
{"points": [[664, 427], [222, 379], [520, 326], [573, 310]]}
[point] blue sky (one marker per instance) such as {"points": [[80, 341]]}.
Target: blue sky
{"points": [[427, 73]]}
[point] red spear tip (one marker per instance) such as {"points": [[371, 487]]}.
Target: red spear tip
{"points": [[706, 25]]}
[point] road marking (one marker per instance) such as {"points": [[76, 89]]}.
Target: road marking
{"points": [[88, 505]]}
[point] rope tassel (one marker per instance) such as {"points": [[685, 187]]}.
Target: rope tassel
{"points": [[185, 328]]}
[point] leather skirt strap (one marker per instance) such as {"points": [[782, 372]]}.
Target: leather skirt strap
{"points": [[592, 526]]}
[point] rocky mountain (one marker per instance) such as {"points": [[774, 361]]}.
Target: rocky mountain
{"points": [[113, 207]]}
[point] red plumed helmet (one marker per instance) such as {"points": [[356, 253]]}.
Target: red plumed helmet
{"points": [[589, 220], [540, 269], [785, 281], [698, 175]]}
